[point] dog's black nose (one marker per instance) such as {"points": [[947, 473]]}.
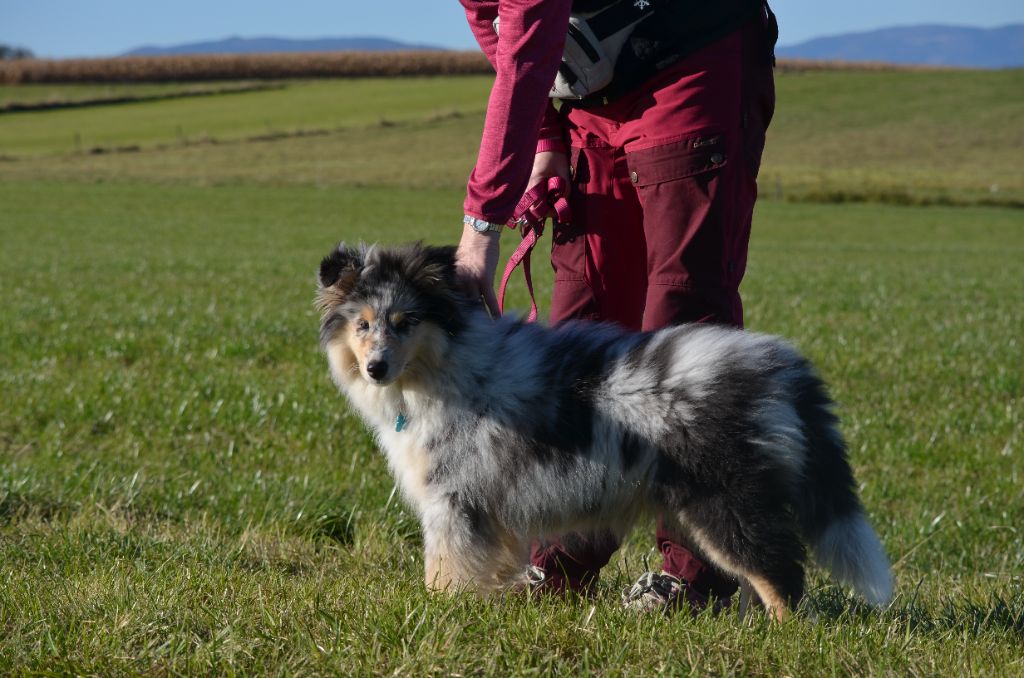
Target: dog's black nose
{"points": [[376, 368]]}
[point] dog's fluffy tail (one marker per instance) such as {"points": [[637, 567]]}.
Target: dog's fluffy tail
{"points": [[850, 549], [833, 519]]}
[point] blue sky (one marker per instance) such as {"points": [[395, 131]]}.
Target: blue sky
{"points": [[63, 28]]}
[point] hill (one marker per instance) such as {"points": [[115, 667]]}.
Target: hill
{"points": [[929, 44], [239, 45], [932, 45]]}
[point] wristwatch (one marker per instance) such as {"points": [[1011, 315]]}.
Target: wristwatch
{"points": [[482, 226]]}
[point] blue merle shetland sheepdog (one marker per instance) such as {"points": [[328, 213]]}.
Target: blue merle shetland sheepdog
{"points": [[499, 432]]}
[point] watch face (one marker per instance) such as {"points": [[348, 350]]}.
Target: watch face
{"points": [[479, 225]]}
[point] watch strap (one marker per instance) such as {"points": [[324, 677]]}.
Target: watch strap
{"points": [[482, 225]]}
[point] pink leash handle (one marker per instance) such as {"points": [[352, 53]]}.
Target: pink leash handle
{"points": [[529, 217]]}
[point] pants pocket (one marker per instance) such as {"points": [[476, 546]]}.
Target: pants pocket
{"points": [[702, 152], [696, 201], [686, 215]]}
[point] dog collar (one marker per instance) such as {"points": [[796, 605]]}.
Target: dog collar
{"points": [[400, 422]]}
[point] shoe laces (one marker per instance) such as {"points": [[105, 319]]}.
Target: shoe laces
{"points": [[658, 585], [535, 576]]}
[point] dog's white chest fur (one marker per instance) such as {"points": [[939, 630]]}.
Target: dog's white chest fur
{"points": [[388, 413], [409, 463]]}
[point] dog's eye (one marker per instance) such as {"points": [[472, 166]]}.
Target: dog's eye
{"points": [[406, 322], [362, 325]]}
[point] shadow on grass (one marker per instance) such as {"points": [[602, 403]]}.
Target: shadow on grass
{"points": [[995, 613], [327, 521], [16, 506]]}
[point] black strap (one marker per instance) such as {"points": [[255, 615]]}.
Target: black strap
{"points": [[581, 40], [568, 74]]}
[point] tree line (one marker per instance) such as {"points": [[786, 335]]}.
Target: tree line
{"points": [[10, 52]]}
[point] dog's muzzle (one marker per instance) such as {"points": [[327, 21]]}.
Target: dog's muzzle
{"points": [[377, 369]]}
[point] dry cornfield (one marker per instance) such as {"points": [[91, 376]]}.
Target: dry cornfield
{"points": [[198, 67], [799, 65], [243, 66]]}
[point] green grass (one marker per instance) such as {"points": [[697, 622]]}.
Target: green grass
{"points": [[909, 137], [182, 490], [318, 104], [34, 94], [432, 153], [920, 135]]}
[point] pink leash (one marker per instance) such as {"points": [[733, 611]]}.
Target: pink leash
{"points": [[529, 217]]}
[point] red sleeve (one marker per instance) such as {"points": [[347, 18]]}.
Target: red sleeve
{"points": [[550, 137], [481, 14], [525, 56]]}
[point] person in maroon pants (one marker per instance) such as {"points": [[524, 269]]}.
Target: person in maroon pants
{"points": [[662, 165]]}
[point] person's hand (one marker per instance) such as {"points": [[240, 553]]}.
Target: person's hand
{"points": [[476, 260], [548, 164]]}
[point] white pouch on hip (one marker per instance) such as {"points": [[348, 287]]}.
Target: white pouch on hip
{"points": [[588, 60], [586, 64]]}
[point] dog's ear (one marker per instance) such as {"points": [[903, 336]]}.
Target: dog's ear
{"points": [[342, 264], [439, 266], [339, 272]]}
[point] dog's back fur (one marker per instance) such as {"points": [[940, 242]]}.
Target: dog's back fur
{"points": [[500, 432]]}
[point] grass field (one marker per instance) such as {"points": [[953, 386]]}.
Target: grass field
{"points": [[312, 105], [896, 136], [41, 94], [183, 491]]}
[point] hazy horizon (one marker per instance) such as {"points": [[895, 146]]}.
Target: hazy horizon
{"points": [[67, 28]]}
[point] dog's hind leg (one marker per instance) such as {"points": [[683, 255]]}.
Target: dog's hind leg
{"points": [[763, 549]]}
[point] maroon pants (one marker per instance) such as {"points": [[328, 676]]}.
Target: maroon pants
{"points": [[664, 184]]}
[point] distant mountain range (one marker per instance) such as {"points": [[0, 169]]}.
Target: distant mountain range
{"points": [[933, 45], [238, 45]]}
